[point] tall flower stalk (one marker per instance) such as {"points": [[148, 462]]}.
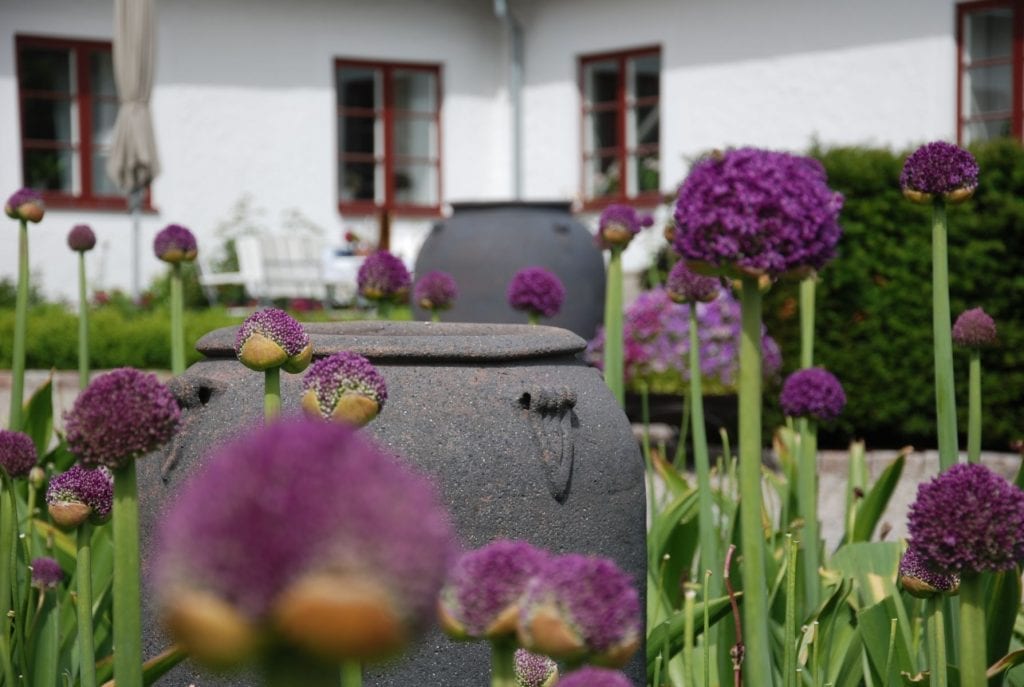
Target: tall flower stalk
{"points": [[24, 205], [974, 330], [175, 244], [81, 239], [268, 341]]}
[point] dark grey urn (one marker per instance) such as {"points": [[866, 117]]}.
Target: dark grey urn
{"points": [[483, 245], [524, 440]]}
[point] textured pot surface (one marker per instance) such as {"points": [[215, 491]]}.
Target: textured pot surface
{"points": [[524, 440], [482, 245]]}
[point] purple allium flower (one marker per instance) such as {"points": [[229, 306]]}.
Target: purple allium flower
{"points": [[344, 386], [175, 243], [619, 224], [383, 276], [595, 677], [534, 670], [968, 520], [306, 531], [17, 453], [974, 329], [920, 581], [581, 606], [81, 238], [46, 573], [25, 204], [939, 168], [813, 392], [121, 416], [79, 494], [435, 291], [537, 291], [481, 596], [273, 338], [759, 212], [686, 286]]}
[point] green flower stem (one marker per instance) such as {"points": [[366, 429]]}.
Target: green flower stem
{"points": [[789, 635], [272, 393], [20, 331], [974, 408], [83, 606], [435, 316], [384, 309], [807, 492], [126, 596], [7, 536], [689, 635], [613, 364], [707, 630], [945, 396], [83, 325], [755, 593], [935, 629], [973, 652], [46, 641], [807, 322], [177, 321], [709, 558], [532, 318], [351, 674], [503, 664]]}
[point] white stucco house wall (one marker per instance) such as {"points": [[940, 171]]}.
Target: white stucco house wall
{"points": [[247, 104]]}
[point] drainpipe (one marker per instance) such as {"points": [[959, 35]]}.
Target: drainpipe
{"points": [[515, 91]]}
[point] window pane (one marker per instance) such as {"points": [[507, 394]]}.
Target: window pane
{"points": [[988, 34], [601, 81], [602, 131], [46, 69], [49, 120], [644, 129], [358, 87], [415, 137], [104, 114], [414, 90], [359, 181], [51, 170], [644, 174], [602, 176], [983, 131], [987, 89], [101, 73], [416, 184], [645, 72], [101, 183], [358, 135]]}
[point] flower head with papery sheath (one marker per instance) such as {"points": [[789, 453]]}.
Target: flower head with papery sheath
{"points": [[534, 670], [619, 224], [757, 212], [686, 286], [119, 417], [537, 291], [46, 573], [305, 531], [595, 677], [813, 392], [968, 520], [344, 386], [25, 204], [17, 453], [939, 169], [482, 594], [80, 494], [383, 277], [974, 329], [273, 338], [175, 243], [581, 607], [435, 291], [919, 580], [81, 238]]}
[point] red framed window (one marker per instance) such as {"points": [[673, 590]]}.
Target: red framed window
{"points": [[621, 139], [389, 137], [989, 96], [68, 105]]}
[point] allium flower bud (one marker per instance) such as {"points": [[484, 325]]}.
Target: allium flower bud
{"points": [[25, 204], [37, 477], [17, 453], [581, 607], [966, 521], [974, 329], [175, 243], [80, 494], [939, 169], [345, 387], [122, 415], [340, 554], [534, 670], [273, 338], [435, 291], [46, 573], [920, 581], [686, 286], [619, 224], [813, 392], [482, 595], [537, 291], [595, 677], [383, 276], [81, 238]]}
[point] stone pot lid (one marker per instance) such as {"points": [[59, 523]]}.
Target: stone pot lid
{"points": [[432, 341]]}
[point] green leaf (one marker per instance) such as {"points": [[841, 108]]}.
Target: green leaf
{"points": [[1004, 599], [38, 419], [682, 509], [1010, 660], [45, 643], [875, 625], [670, 631], [876, 500]]}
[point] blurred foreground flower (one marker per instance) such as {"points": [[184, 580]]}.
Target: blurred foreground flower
{"points": [[537, 292], [17, 453], [595, 677], [344, 386]]}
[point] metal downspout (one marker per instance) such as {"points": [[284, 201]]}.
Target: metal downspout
{"points": [[515, 91]]}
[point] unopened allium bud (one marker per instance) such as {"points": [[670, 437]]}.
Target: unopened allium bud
{"points": [[46, 573], [919, 580], [435, 291], [80, 494], [974, 329], [81, 238], [383, 277], [686, 286], [595, 677], [344, 386], [619, 224], [25, 204], [37, 477], [939, 169], [273, 338], [536, 290], [175, 243], [17, 453], [813, 392], [534, 670]]}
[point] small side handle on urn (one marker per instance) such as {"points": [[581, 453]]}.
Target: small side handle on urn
{"points": [[552, 422]]}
